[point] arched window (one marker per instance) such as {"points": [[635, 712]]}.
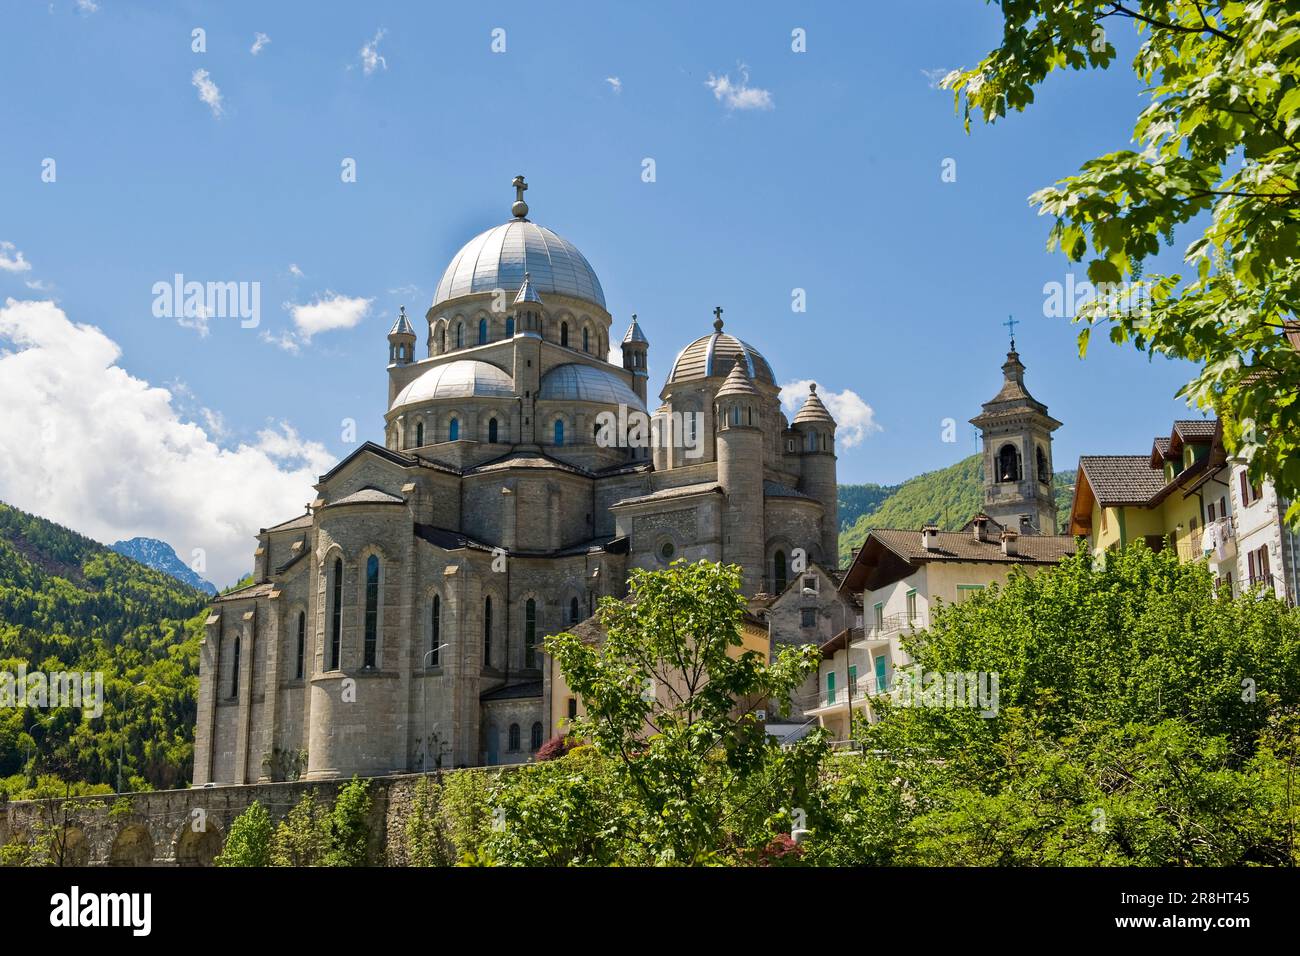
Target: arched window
{"points": [[336, 615], [453, 430], [442, 339], [573, 611], [1044, 473], [234, 670], [564, 333], [811, 444], [435, 631], [510, 327], [419, 434], [530, 633], [482, 331], [492, 430], [302, 643], [514, 738], [779, 579], [535, 738], [487, 631], [735, 415], [559, 431], [372, 611], [1008, 463], [586, 340]]}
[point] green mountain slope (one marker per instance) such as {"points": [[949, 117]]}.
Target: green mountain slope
{"points": [[947, 497], [71, 604]]}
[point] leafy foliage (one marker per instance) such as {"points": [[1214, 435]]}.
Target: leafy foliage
{"points": [[70, 604], [249, 840], [1216, 151]]}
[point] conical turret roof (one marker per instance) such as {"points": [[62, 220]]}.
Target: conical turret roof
{"points": [[813, 410]]}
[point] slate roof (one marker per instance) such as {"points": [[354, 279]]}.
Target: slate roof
{"points": [[367, 496], [1122, 479], [532, 688], [251, 591], [681, 491], [773, 489], [293, 524]]}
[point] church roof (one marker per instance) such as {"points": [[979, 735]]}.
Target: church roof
{"points": [[403, 325], [667, 494], [462, 378], [715, 354], [522, 691], [579, 382], [1013, 398], [634, 333], [500, 257], [293, 524], [368, 496], [527, 293], [737, 382], [773, 489], [813, 410]]}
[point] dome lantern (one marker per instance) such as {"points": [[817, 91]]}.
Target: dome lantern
{"points": [[401, 340]]}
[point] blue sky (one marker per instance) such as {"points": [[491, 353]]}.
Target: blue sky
{"points": [[823, 174]]}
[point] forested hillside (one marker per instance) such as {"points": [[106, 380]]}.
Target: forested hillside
{"points": [[947, 497], [68, 603]]}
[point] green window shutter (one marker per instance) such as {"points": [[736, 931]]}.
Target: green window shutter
{"points": [[830, 688]]}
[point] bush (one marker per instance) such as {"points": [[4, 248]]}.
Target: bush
{"points": [[249, 840]]}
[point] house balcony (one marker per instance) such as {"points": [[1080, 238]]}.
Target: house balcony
{"points": [[1221, 537], [887, 628]]}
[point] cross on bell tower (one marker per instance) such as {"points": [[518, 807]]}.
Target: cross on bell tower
{"points": [[1011, 324], [717, 318]]}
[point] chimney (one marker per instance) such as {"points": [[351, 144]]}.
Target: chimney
{"points": [[979, 527], [1010, 543], [930, 537]]}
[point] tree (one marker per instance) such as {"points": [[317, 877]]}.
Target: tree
{"points": [[349, 825], [302, 838], [1217, 145], [249, 840], [670, 699]]}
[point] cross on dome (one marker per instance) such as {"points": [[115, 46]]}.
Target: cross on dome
{"points": [[520, 208]]}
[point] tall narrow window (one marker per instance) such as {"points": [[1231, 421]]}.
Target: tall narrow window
{"points": [[419, 434], [778, 573], [1008, 463], [586, 340], [372, 611], [302, 643], [573, 611], [559, 432], [487, 632], [442, 339], [1044, 473], [234, 670], [564, 333], [435, 631], [514, 737], [530, 633], [510, 327], [492, 430], [830, 688], [535, 738], [460, 335], [453, 430], [336, 615]]}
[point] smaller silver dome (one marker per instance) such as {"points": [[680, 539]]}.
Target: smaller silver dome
{"points": [[464, 378], [576, 382]]}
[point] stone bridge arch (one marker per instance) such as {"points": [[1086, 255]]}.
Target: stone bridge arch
{"points": [[133, 846], [198, 847]]}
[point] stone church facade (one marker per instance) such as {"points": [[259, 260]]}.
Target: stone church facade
{"points": [[398, 624]]}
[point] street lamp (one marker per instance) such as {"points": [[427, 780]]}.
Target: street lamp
{"points": [[424, 697]]}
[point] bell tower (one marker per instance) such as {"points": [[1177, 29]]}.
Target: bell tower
{"points": [[1017, 436]]}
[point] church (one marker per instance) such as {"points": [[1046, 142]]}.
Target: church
{"points": [[398, 624]]}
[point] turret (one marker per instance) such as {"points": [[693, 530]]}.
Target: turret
{"points": [[635, 349], [816, 430], [740, 472], [529, 314], [401, 341]]}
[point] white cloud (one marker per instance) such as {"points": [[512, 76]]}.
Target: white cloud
{"points": [[295, 271], [615, 83], [87, 6], [85, 443], [39, 285], [208, 91], [370, 58], [282, 340], [333, 311], [11, 259], [935, 77], [854, 418], [738, 94], [259, 40], [198, 322]]}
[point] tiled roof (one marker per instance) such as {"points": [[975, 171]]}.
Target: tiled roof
{"points": [[1122, 479], [1196, 429], [956, 546], [250, 591], [1162, 445]]}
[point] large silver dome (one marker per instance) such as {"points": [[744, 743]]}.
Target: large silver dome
{"points": [[465, 378], [498, 259], [586, 383]]}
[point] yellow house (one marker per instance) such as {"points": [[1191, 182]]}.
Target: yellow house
{"points": [[566, 704], [1164, 498]]}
